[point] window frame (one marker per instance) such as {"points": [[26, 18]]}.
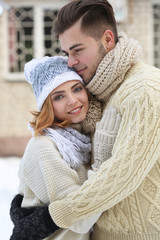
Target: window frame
{"points": [[38, 9]]}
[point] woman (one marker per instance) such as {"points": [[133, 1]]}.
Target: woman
{"points": [[57, 158]]}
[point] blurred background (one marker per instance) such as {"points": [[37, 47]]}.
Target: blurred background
{"points": [[26, 33]]}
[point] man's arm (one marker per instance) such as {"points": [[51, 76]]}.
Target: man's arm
{"points": [[135, 152]]}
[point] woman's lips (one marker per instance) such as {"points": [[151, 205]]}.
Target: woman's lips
{"points": [[76, 110]]}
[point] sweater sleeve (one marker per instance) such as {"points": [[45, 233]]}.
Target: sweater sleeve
{"points": [[135, 152]]}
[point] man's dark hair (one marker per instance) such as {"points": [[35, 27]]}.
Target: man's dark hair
{"points": [[96, 16]]}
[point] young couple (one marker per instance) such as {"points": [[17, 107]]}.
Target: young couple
{"points": [[125, 187]]}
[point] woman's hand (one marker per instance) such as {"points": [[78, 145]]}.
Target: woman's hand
{"points": [[30, 223], [105, 136]]}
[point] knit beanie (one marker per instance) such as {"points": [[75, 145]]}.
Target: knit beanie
{"points": [[46, 74]]}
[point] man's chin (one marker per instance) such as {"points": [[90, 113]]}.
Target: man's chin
{"points": [[86, 75], [86, 79]]}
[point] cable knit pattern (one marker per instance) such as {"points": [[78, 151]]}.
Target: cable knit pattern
{"points": [[127, 185]]}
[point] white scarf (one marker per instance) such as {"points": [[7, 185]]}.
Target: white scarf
{"points": [[74, 146]]}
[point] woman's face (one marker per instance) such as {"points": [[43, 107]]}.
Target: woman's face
{"points": [[70, 101]]}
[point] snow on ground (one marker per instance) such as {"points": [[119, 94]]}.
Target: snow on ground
{"points": [[8, 188]]}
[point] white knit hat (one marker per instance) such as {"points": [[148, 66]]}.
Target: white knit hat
{"points": [[46, 74]]}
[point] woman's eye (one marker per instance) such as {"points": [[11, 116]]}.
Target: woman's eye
{"points": [[59, 97], [77, 89]]}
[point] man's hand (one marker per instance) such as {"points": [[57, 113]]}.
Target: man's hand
{"points": [[30, 223], [105, 136]]}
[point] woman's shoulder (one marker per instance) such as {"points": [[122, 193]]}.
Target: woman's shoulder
{"points": [[39, 149], [41, 140], [40, 143]]}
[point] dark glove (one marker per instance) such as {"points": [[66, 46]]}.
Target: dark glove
{"points": [[30, 223]]}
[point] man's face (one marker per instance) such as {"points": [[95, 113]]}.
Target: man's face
{"points": [[83, 51]]}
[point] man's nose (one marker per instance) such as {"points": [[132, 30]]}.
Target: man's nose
{"points": [[72, 61]]}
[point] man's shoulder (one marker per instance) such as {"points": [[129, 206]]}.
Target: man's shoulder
{"points": [[141, 71], [141, 79], [141, 76]]}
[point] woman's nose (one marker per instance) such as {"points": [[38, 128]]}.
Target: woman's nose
{"points": [[71, 99]]}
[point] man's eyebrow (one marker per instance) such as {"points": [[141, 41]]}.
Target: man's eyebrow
{"points": [[74, 46]]}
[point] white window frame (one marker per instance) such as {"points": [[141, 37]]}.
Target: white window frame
{"points": [[38, 8]]}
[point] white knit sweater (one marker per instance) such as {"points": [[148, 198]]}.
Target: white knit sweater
{"points": [[127, 185], [45, 177]]}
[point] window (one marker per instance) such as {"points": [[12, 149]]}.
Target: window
{"points": [[30, 36], [156, 12]]}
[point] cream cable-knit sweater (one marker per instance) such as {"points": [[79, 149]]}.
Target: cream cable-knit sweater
{"points": [[45, 177], [128, 184]]}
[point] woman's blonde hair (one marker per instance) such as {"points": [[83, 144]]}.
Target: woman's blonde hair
{"points": [[46, 118]]}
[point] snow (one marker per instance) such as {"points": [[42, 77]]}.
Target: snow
{"points": [[8, 189]]}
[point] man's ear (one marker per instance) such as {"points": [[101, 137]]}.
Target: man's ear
{"points": [[108, 40]]}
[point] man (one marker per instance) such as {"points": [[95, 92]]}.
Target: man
{"points": [[126, 187]]}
